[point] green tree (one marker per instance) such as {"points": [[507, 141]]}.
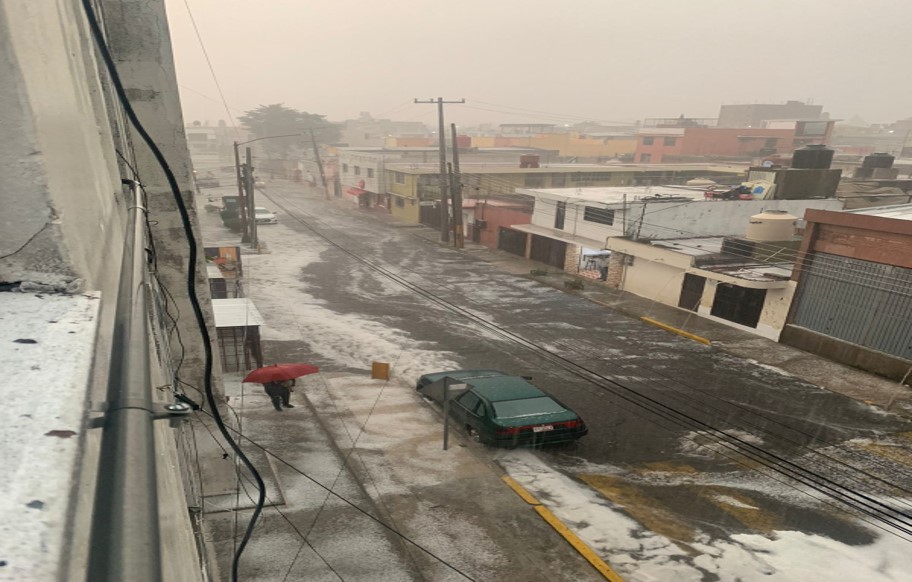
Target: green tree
{"points": [[276, 119]]}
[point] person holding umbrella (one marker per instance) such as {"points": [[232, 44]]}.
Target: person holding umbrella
{"points": [[278, 380], [280, 393]]}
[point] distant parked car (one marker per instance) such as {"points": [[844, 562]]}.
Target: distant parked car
{"points": [[265, 216], [498, 409]]}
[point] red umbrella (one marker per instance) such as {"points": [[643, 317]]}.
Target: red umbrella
{"points": [[279, 372]]}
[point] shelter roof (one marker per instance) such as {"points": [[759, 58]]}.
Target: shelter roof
{"points": [[236, 312]]}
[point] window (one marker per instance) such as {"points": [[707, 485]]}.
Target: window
{"points": [[648, 140], [526, 407], [584, 177], [811, 128], [534, 181], [370, 172], [469, 400], [598, 215], [558, 180], [400, 202], [670, 141], [357, 170], [645, 157], [559, 215], [400, 177], [345, 168]]}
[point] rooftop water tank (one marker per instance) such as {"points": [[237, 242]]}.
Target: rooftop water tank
{"points": [[771, 226], [813, 157], [878, 160]]}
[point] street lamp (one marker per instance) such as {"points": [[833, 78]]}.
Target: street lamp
{"points": [[246, 203]]}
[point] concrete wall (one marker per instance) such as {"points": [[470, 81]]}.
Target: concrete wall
{"points": [[64, 208], [653, 280], [714, 218], [661, 220], [61, 196]]}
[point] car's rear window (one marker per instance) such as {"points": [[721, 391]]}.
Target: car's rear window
{"points": [[526, 407]]}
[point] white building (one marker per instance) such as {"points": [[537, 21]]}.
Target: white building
{"points": [[671, 245]]}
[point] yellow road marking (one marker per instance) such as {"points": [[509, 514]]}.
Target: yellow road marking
{"points": [[745, 510], [666, 467], [648, 511], [680, 332], [520, 490], [579, 545]]}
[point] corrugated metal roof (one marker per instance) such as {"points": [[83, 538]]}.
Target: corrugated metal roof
{"points": [[236, 312], [897, 211]]}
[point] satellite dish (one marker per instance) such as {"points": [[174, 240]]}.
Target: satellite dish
{"points": [[767, 164]]}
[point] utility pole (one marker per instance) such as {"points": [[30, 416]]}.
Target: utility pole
{"points": [[251, 203], [456, 191], [441, 134], [313, 140], [242, 198]]}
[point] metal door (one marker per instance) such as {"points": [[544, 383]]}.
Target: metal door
{"points": [[865, 303]]}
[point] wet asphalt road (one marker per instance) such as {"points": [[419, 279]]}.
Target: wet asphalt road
{"points": [[656, 399]]}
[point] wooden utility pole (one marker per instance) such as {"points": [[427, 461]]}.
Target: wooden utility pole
{"points": [[441, 134], [313, 140], [251, 202], [456, 192], [242, 197]]}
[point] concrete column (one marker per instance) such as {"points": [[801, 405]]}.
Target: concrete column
{"points": [[139, 41], [616, 265]]}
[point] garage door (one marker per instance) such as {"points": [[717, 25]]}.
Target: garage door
{"points": [[865, 303]]}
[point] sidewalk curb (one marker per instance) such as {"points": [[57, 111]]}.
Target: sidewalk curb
{"points": [[579, 545], [676, 330]]}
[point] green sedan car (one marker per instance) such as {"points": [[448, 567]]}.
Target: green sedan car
{"points": [[503, 410]]}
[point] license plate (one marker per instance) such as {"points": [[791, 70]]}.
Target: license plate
{"points": [[543, 428]]}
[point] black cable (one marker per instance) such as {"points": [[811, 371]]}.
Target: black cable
{"points": [[191, 269], [849, 497], [304, 540], [350, 503]]}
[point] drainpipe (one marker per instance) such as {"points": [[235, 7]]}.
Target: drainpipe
{"points": [[125, 539]]}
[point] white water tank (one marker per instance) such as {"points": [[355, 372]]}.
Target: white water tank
{"points": [[771, 225]]}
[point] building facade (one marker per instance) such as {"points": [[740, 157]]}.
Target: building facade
{"points": [[755, 114], [853, 279]]}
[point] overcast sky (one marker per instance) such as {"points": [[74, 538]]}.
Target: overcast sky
{"points": [[537, 61]]}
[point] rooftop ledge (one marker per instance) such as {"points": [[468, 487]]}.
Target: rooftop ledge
{"points": [[46, 348]]}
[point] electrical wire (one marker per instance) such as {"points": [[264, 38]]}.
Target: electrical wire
{"points": [[272, 504], [797, 255], [191, 265], [856, 501], [350, 503], [218, 85]]}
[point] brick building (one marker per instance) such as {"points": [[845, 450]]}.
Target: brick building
{"points": [[853, 303]]}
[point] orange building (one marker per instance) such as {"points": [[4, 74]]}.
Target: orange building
{"points": [[667, 144]]}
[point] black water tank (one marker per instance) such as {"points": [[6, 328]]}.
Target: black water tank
{"points": [[813, 157], [878, 160]]}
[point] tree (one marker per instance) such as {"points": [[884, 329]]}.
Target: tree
{"points": [[276, 119]]}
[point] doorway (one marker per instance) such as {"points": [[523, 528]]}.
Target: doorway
{"points": [[738, 304], [692, 292]]}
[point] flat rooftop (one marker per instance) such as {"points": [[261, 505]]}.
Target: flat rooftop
{"points": [[513, 168], [619, 194]]}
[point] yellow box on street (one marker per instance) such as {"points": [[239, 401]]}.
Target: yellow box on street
{"points": [[380, 370]]}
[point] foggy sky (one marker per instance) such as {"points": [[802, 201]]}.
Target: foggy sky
{"points": [[573, 60]]}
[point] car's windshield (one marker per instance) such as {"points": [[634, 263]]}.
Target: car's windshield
{"points": [[526, 407], [262, 211]]}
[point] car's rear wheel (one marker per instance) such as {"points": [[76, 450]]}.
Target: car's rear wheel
{"points": [[473, 434]]}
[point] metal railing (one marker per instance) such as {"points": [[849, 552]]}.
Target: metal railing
{"points": [[125, 541]]}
